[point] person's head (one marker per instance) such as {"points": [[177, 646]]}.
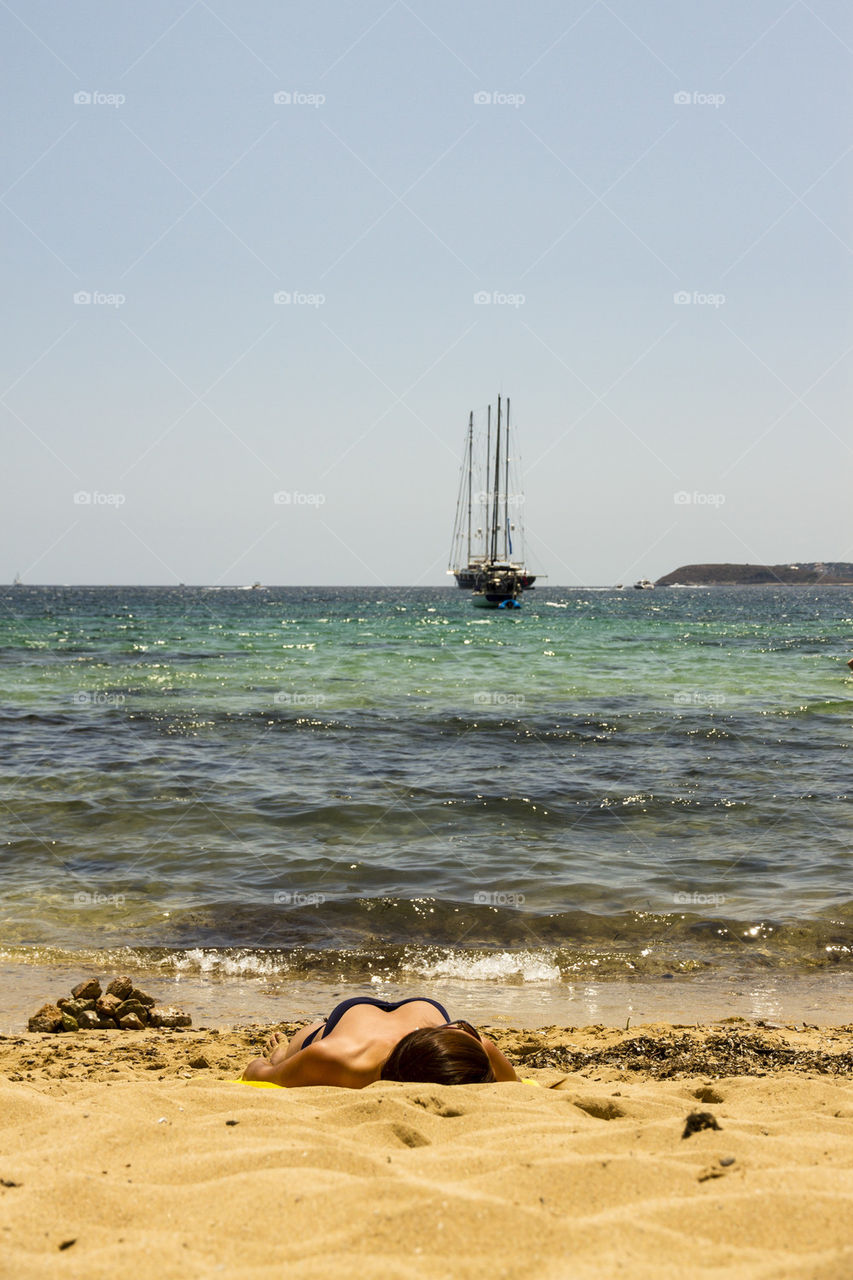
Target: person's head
{"points": [[439, 1055]]}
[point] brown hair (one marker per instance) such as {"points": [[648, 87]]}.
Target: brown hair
{"points": [[438, 1055]]}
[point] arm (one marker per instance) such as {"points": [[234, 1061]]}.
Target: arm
{"points": [[501, 1066], [311, 1066]]}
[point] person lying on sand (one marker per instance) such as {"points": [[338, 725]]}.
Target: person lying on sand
{"points": [[364, 1039]]}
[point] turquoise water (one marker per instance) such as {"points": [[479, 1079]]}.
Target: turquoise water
{"points": [[391, 785]]}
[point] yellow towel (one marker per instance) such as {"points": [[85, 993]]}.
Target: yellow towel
{"points": [[268, 1084]]}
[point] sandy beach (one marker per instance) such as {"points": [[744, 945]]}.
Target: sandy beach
{"points": [[136, 1153]]}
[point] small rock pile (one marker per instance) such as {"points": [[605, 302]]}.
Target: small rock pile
{"points": [[121, 1006]]}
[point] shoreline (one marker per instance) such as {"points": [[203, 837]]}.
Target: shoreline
{"points": [[224, 1002]]}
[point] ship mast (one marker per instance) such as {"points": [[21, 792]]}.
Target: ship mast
{"points": [[496, 513], [487, 523], [506, 488], [470, 461]]}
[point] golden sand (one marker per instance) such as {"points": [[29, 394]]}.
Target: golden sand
{"points": [[119, 1158]]}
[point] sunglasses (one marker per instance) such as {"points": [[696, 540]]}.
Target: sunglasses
{"points": [[465, 1026]]}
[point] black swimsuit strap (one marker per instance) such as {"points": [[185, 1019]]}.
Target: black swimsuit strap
{"points": [[387, 1006]]}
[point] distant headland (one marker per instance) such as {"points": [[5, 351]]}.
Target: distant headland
{"points": [[825, 572]]}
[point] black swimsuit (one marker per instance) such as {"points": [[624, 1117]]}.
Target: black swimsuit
{"points": [[387, 1006]]}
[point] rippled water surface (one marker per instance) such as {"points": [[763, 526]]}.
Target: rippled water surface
{"points": [[391, 786]]}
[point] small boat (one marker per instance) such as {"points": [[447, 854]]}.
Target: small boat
{"points": [[499, 587], [482, 555], [643, 584]]}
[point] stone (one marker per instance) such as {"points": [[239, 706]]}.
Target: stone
{"points": [[106, 1024], [130, 1022], [142, 997], [131, 1006], [166, 1016], [90, 989], [121, 987], [74, 1007], [48, 1018], [107, 1005], [698, 1120], [88, 1020], [69, 1023]]}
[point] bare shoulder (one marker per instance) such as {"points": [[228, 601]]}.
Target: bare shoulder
{"points": [[318, 1064], [501, 1066]]}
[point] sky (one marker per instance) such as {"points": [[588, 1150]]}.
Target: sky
{"points": [[262, 259]]}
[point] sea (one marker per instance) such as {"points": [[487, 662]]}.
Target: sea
{"points": [[608, 806]]}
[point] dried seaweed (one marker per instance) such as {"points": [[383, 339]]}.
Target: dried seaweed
{"points": [[729, 1053]]}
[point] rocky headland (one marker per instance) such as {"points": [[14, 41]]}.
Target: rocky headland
{"points": [[811, 573]]}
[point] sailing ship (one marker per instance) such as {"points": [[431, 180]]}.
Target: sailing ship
{"points": [[481, 557]]}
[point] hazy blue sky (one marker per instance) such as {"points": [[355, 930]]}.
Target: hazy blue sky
{"points": [[626, 154]]}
